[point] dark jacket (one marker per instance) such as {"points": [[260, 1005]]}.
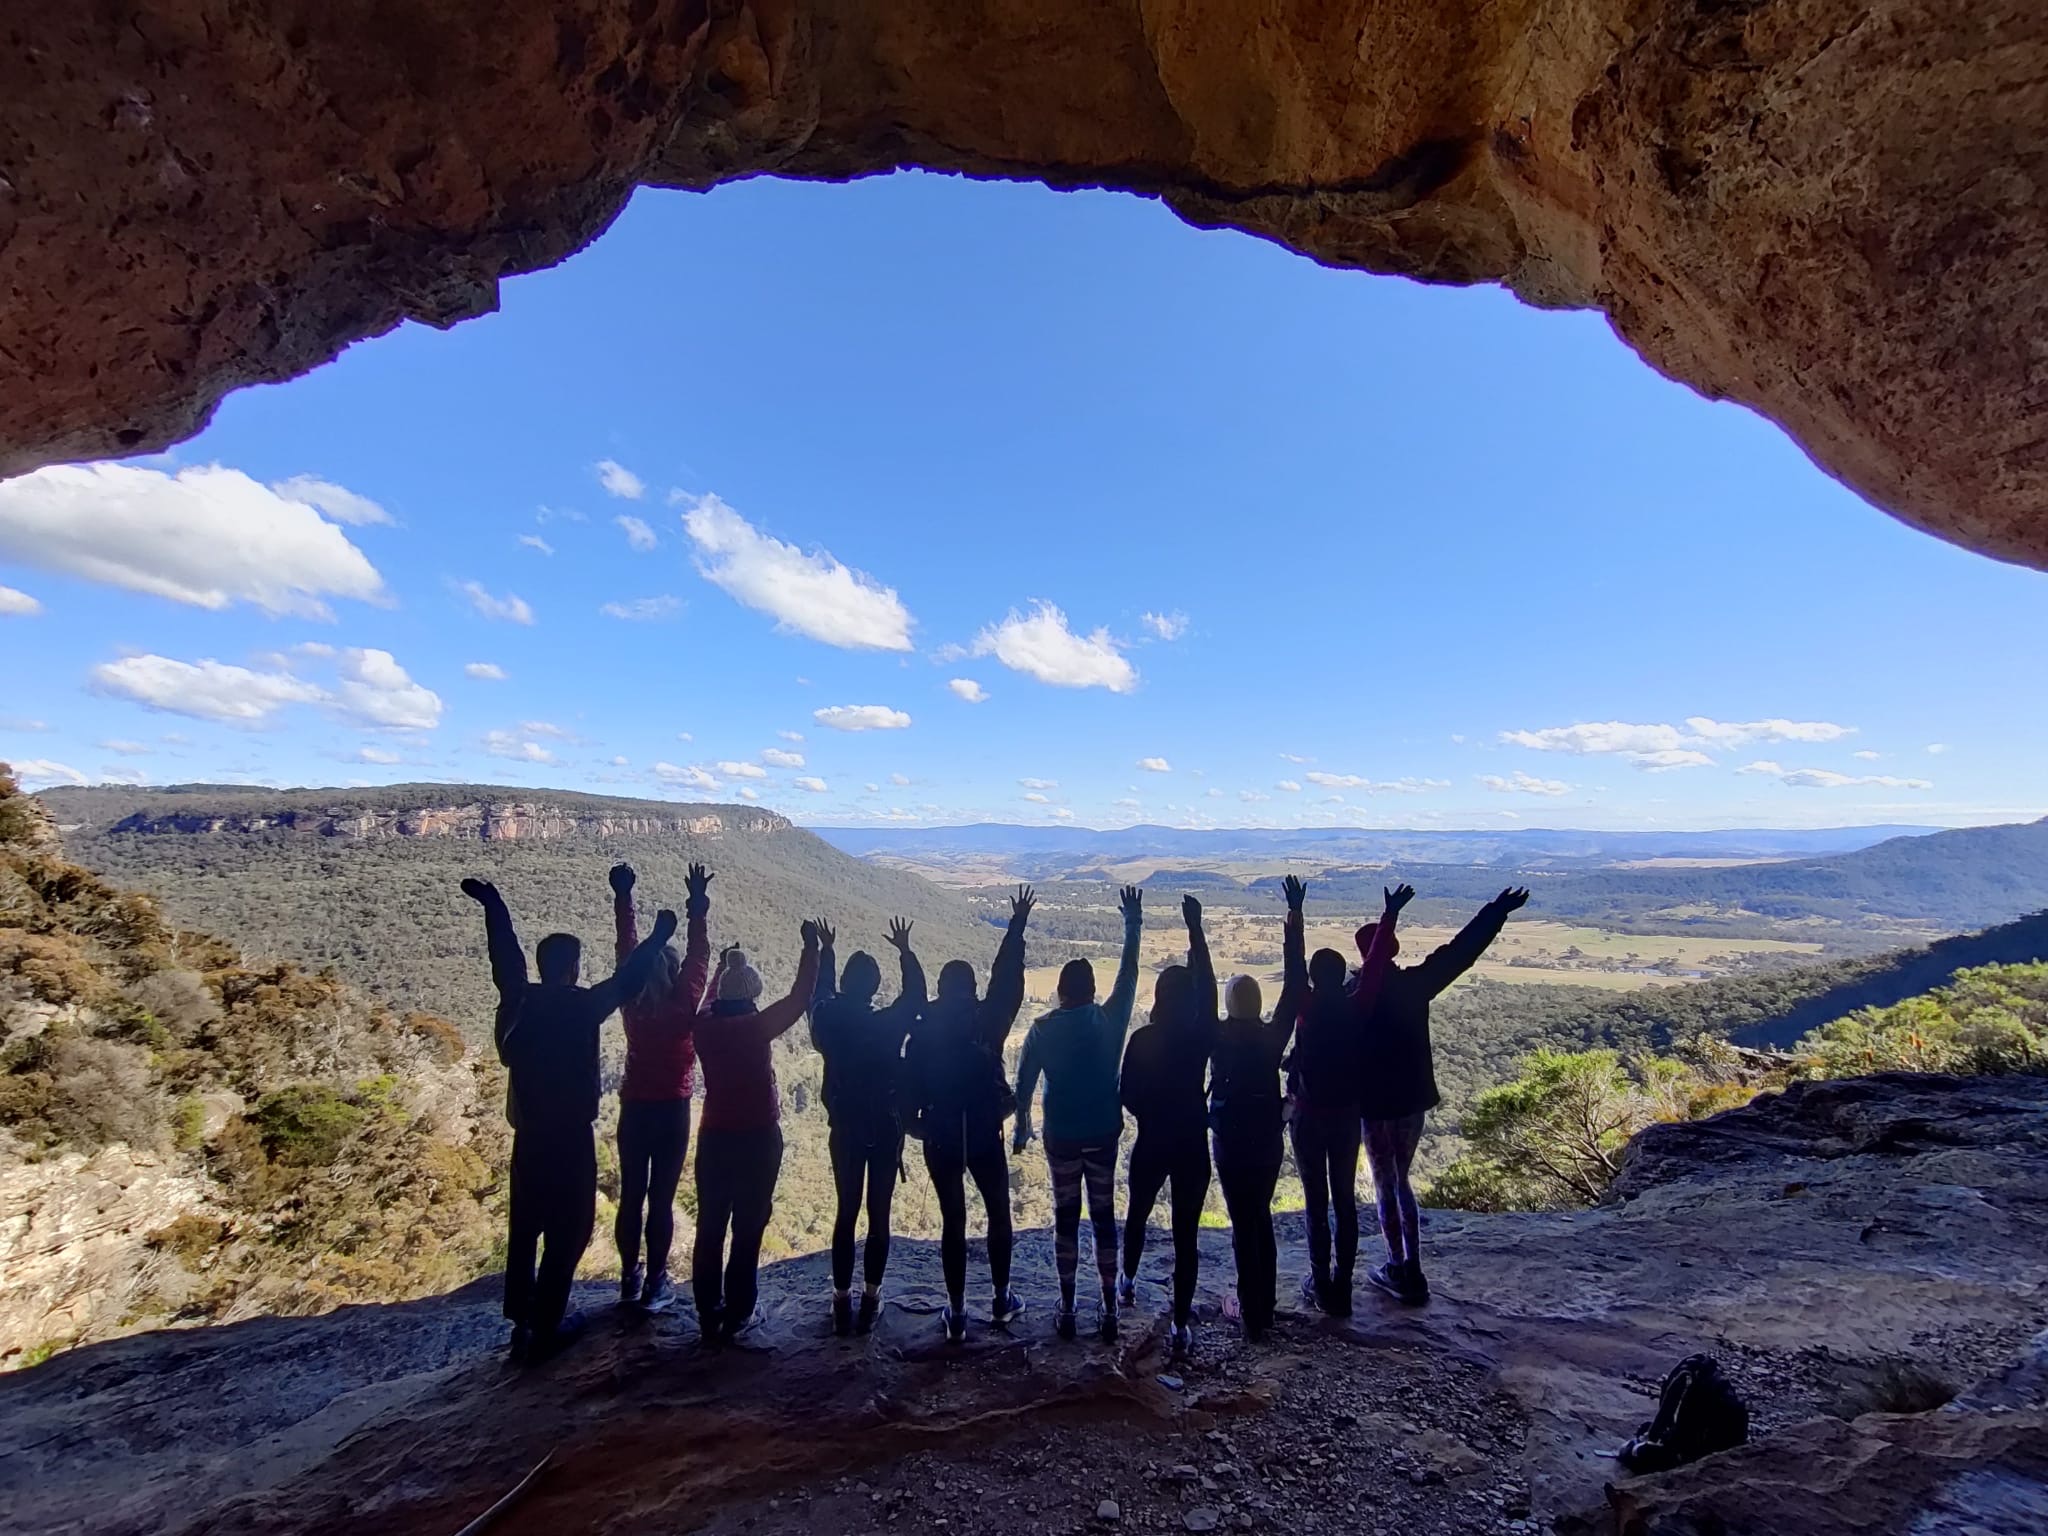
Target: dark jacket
{"points": [[1166, 1061], [954, 1082], [1396, 1063], [863, 1047], [1323, 1072], [1245, 1098]]}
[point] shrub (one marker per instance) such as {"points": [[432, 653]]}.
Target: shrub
{"points": [[306, 1125], [190, 1238]]}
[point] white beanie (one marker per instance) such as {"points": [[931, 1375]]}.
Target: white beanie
{"points": [[1241, 999], [739, 982]]}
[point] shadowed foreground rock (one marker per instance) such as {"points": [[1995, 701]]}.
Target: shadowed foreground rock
{"points": [[1835, 211], [1848, 1249]]}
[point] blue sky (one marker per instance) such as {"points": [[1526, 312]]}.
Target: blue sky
{"points": [[1151, 495]]}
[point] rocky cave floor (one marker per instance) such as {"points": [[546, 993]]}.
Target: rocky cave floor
{"points": [[1857, 1254]]}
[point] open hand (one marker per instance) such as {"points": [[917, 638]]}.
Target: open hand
{"points": [[1295, 892], [812, 937], [827, 935], [1191, 911], [1397, 897], [622, 879], [697, 884], [1022, 903], [1131, 902], [899, 935], [1514, 898], [478, 890], [664, 926]]}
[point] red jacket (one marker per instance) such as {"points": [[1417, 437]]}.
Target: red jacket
{"points": [[737, 1043], [661, 1062]]}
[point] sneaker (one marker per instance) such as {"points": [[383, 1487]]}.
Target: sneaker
{"points": [[1388, 1277], [629, 1286], [657, 1292], [1315, 1292], [735, 1326], [842, 1314], [1109, 1328], [1338, 1302], [1182, 1339], [711, 1325], [566, 1333], [1004, 1309], [1126, 1292], [1414, 1285], [1063, 1320], [956, 1325], [522, 1344], [870, 1305]]}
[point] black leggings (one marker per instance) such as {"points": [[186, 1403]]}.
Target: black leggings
{"points": [[1248, 1168], [554, 1202], [950, 1165], [1326, 1152], [736, 1173], [864, 1159], [1182, 1157], [654, 1138]]}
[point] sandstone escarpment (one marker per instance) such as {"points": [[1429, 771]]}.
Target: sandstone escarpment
{"points": [[504, 821], [1857, 1253], [1835, 211]]}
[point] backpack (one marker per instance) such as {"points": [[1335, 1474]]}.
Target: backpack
{"points": [[1699, 1412]]}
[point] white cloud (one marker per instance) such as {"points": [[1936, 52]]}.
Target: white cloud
{"points": [[485, 671], [205, 690], [15, 603], [376, 755], [1519, 783], [535, 541], [637, 533], [1252, 796], [1040, 783], [1664, 762], [127, 748], [873, 789], [1214, 794], [791, 735], [509, 744], [1129, 804], [1408, 786], [748, 792], [1602, 737], [36, 771], [547, 728], [900, 780], [1295, 757], [1827, 778], [511, 607], [622, 762], [1659, 748], [691, 777], [545, 515], [775, 757], [207, 536], [861, 717], [1061, 813], [684, 736], [967, 688], [1866, 756], [1037, 799], [743, 770], [1155, 765], [813, 786], [809, 594], [1167, 626], [619, 480], [374, 690], [642, 609], [337, 501], [1289, 785], [1718, 733], [1936, 748], [1040, 645]]}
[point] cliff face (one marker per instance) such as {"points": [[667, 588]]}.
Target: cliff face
{"points": [[1868, 1259], [496, 821], [1830, 210]]}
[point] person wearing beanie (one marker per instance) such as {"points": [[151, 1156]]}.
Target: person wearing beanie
{"points": [[1162, 1087], [1076, 1048], [1397, 1082], [1323, 1081], [957, 1098], [862, 1046], [739, 1140], [654, 1094]]}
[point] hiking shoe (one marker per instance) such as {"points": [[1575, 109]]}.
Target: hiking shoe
{"points": [[566, 1333], [522, 1344], [1338, 1300], [657, 1292], [1414, 1285], [1063, 1320], [1390, 1278], [842, 1314], [1005, 1308], [711, 1325], [1108, 1328], [1182, 1340], [629, 1286], [1315, 1292], [870, 1305], [1126, 1292], [956, 1326]]}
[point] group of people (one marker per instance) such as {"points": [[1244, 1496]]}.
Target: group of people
{"points": [[1343, 1064]]}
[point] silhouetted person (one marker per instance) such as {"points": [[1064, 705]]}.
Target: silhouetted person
{"points": [[654, 1095], [1323, 1079], [1077, 1048], [1246, 1113], [739, 1142], [958, 1096], [1397, 1081], [1165, 1065], [547, 1035], [863, 1050]]}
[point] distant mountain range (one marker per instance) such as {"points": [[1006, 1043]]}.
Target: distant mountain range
{"points": [[1033, 850]]}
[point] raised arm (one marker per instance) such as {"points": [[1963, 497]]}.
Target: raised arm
{"points": [[697, 952], [1124, 994], [1201, 969], [508, 960], [910, 996], [625, 924], [828, 965], [630, 979], [1005, 995], [1029, 1069], [1377, 954], [1293, 966], [777, 1017], [1450, 961]]}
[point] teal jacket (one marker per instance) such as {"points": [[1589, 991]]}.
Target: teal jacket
{"points": [[1079, 1051]]}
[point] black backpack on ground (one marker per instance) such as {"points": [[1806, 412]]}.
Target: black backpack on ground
{"points": [[1699, 1412]]}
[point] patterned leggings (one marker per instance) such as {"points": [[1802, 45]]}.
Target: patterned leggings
{"points": [[1075, 1164], [1390, 1145]]}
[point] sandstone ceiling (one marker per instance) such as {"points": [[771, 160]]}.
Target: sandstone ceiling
{"points": [[1835, 211]]}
